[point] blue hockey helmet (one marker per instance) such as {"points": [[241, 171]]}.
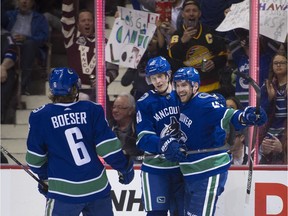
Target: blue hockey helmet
{"points": [[189, 74], [62, 80], [157, 65]]}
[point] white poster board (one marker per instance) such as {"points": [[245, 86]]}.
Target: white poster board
{"points": [[272, 23], [130, 36]]}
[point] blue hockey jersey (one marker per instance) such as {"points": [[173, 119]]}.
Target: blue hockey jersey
{"points": [[204, 123], [63, 145], [157, 116]]}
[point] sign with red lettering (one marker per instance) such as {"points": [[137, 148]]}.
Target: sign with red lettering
{"points": [[271, 199]]}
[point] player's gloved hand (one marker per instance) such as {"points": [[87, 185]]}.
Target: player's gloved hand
{"points": [[43, 190], [172, 149], [249, 116], [127, 175]]}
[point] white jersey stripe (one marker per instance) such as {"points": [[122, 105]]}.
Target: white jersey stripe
{"points": [[146, 188], [213, 183]]}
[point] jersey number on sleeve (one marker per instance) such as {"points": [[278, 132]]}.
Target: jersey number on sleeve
{"points": [[78, 149]]}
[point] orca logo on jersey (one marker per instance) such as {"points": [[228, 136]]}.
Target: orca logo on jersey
{"points": [[172, 129]]}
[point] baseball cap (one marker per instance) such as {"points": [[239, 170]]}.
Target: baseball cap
{"points": [[190, 2]]}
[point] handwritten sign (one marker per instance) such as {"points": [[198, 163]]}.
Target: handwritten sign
{"points": [[130, 36], [272, 23]]}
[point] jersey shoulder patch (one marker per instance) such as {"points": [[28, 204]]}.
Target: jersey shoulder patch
{"points": [[38, 109], [204, 95], [149, 94], [143, 97]]}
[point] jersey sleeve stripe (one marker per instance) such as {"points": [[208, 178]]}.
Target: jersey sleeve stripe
{"points": [[109, 147], [35, 160], [143, 133]]}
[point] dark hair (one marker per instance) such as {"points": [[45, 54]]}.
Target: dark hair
{"points": [[73, 96], [271, 75], [236, 101]]}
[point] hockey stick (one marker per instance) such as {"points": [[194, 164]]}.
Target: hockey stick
{"points": [[198, 151], [254, 135], [45, 187]]}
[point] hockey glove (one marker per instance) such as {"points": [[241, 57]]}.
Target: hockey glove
{"points": [[126, 176], [43, 190], [249, 116], [172, 150]]}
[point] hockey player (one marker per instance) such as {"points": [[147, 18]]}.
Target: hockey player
{"points": [[64, 140], [203, 121], [157, 117]]}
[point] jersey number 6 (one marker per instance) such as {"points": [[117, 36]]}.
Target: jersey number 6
{"points": [[78, 149]]}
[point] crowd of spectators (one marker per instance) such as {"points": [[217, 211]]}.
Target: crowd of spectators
{"points": [[192, 40], [188, 38]]}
